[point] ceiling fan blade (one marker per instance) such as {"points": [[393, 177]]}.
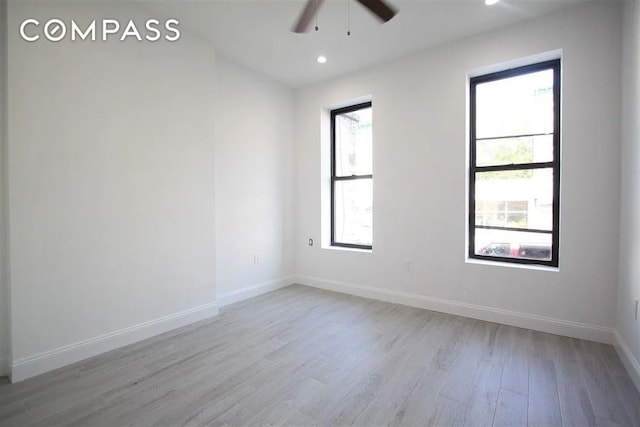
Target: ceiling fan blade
{"points": [[380, 8], [307, 15]]}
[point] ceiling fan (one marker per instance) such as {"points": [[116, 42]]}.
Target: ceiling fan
{"points": [[380, 8]]}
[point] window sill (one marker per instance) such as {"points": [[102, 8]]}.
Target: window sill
{"points": [[512, 265], [347, 249]]}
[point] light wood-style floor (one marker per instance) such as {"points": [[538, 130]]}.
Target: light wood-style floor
{"points": [[302, 356]]}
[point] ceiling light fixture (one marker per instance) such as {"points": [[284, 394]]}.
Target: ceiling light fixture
{"points": [[490, 2], [322, 59]]}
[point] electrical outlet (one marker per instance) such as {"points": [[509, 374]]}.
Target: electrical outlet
{"points": [[408, 264], [256, 258], [310, 242]]}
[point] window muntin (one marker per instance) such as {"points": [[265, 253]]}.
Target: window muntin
{"points": [[352, 177], [515, 165]]}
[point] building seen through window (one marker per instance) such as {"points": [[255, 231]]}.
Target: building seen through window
{"points": [[515, 165], [352, 177]]}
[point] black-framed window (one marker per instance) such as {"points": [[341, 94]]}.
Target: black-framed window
{"points": [[514, 173], [352, 176]]}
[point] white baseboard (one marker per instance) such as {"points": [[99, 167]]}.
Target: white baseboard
{"points": [[253, 290], [506, 317], [28, 367], [628, 359], [4, 367]]}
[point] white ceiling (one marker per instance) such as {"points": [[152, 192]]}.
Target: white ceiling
{"points": [[257, 33]]}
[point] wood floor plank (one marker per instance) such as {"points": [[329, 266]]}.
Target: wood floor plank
{"points": [[459, 384], [575, 405], [388, 399], [446, 412], [607, 423], [484, 395], [290, 401], [630, 397], [539, 344], [297, 418], [544, 404], [303, 356], [605, 399], [627, 392], [515, 375], [11, 410], [511, 409], [418, 406]]}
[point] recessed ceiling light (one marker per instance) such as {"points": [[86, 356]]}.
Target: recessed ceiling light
{"points": [[490, 2], [322, 59]]}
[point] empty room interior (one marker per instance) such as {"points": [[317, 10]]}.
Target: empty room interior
{"points": [[307, 212]]}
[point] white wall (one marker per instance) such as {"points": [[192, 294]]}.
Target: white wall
{"points": [[254, 158], [4, 290], [111, 168], [629, 286], [420, 108]]}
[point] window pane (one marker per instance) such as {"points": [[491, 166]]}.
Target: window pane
{"points": [[517, 199], [521, 105], [513, 244], [493, 152], [353, 208], [353, 143]]}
